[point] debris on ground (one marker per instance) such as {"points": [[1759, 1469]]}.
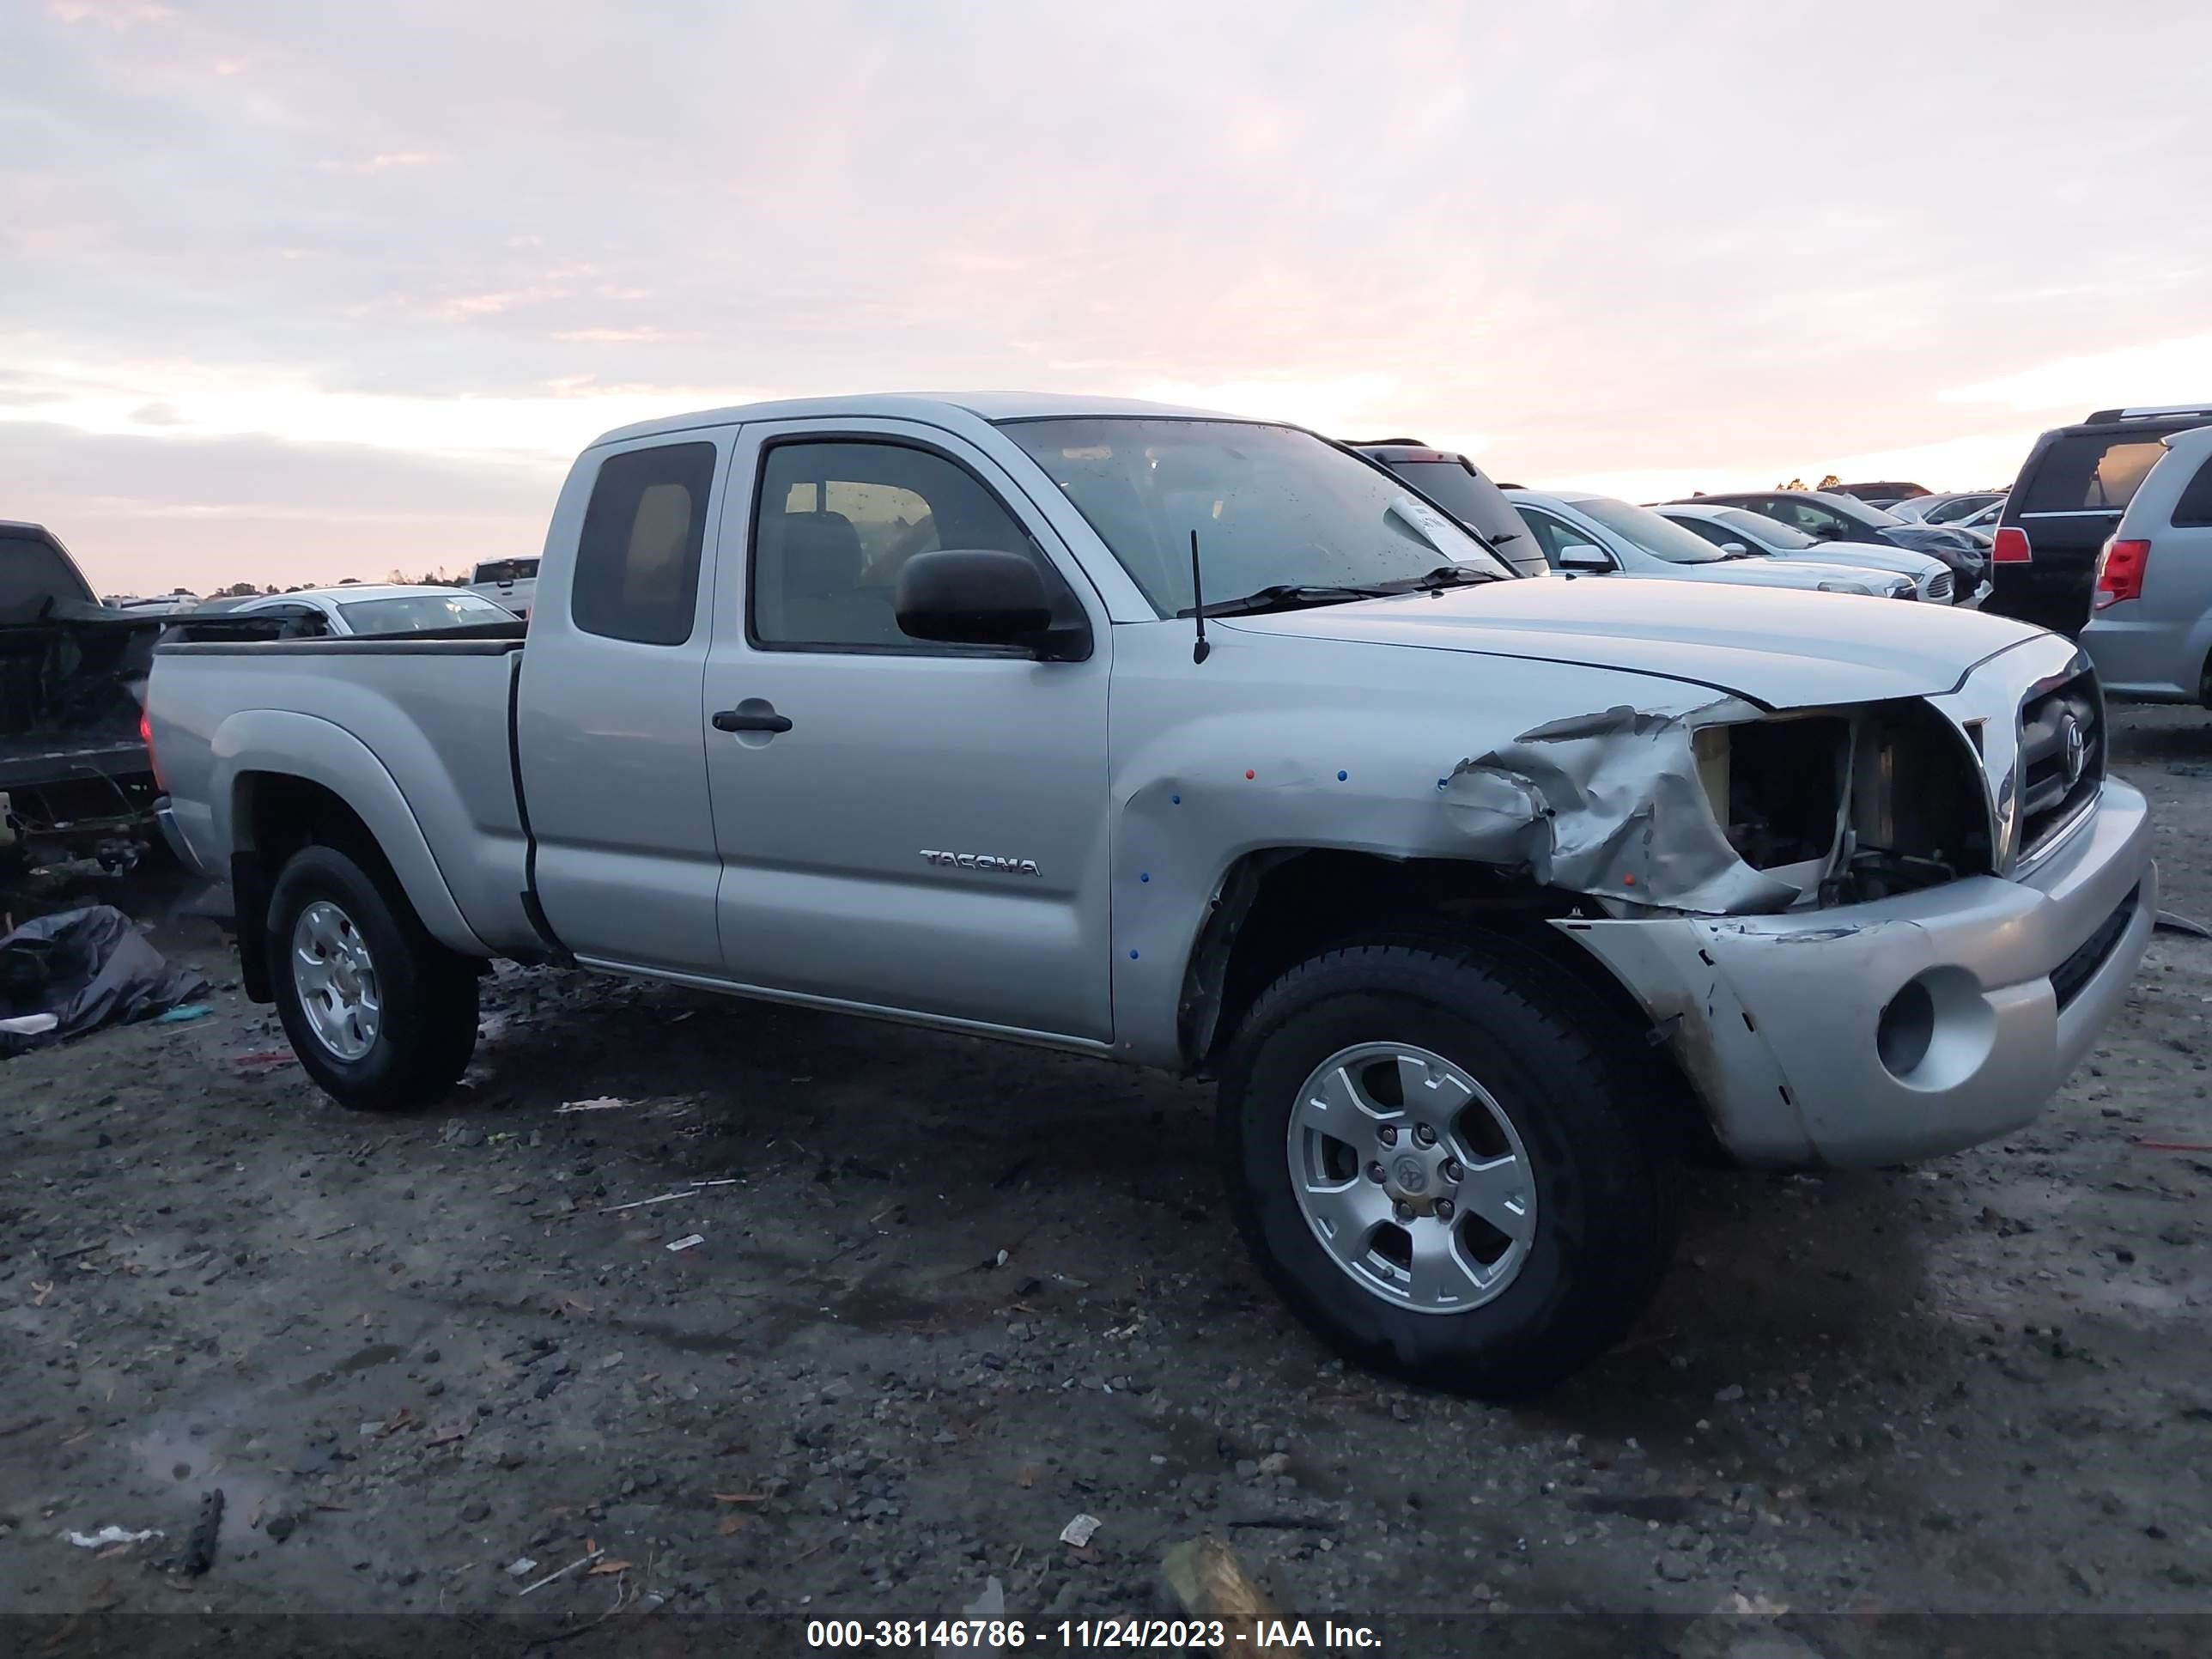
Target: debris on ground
{"points": [[551, 1578], [1201, 1578], [601, 1103], [200, 1543], [184, 1014], [689, 1242], [88, 969], [1078, 1532], [110, 1534]]}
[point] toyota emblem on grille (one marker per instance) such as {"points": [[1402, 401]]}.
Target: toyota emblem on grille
{"points": [[2077, 748]]}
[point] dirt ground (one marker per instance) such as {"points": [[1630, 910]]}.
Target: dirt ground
{"points": [[947, 1295]]}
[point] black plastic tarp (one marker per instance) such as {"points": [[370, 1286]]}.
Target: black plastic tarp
{"points": [[89, 969]]}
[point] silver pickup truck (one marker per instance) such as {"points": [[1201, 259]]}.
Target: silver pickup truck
{"points": [[1485, 897]]}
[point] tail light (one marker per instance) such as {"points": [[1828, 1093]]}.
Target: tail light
{"points": [[2011, 546], [2120, 569], [146, 736]]}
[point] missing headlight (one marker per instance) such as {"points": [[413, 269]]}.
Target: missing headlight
{"points": [[1855, 803], [1777, 786]]}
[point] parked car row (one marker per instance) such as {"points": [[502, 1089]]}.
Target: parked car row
{"points": [[1589, 535]]}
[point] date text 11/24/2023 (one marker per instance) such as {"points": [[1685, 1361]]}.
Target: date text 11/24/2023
{"points": [[1169, 1635]]}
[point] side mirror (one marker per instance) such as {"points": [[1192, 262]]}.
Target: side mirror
{"points": [[1584, 556], [1734, 547], [973, 596]]}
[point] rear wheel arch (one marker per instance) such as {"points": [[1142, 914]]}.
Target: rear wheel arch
{"points": [[279, 764], [275, 814]]}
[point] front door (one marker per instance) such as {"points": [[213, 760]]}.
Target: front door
{"points": [[913, 827]]}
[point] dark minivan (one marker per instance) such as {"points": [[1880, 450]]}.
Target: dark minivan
{"points": [[1461, 488], [2076, 482]]}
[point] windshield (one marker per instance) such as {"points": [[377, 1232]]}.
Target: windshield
{"points": [[507, 570], [416, 613], [1760, 531], [1464, 493], [1851, 506], [1662, 538], [1272, 507], [1965, 506]]}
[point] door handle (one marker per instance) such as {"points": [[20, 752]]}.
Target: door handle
{"points": [[761, 718]]}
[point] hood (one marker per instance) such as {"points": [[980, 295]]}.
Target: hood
{"points": [[1873, 555], [1760, 570], [1930, 536], [1778, 648]]}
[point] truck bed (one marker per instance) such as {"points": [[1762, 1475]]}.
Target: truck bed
{"points": [[432, 715]]}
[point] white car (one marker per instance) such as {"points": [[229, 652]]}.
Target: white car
{"points": [[1597, 535], [362, 608], [1752, 535], [511, 583]]}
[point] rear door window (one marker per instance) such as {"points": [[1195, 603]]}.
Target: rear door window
{"points": [[637, 559], [2090, 472]]}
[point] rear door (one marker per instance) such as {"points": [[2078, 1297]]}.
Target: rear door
{"points": [[2067, 502], [906, 826], [608, 724]]}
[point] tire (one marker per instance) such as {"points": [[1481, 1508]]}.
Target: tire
{"points": [[1593, 1173], [350, 910]]}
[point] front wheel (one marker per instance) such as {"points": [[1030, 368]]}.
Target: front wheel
{"points": [[380, 1014], [1441, 1169]]}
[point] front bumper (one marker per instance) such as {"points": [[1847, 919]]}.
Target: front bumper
{"points": [[1775, 1018]]}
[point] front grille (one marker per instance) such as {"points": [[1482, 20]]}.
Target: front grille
{"points": [[2059, 770], [1939, 588], [2068, 978]]}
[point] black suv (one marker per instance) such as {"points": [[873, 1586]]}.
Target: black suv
{"points": [[2066, 503], [1459, 488]]}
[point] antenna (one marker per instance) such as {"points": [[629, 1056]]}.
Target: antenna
{"points": [[1200, 652]]}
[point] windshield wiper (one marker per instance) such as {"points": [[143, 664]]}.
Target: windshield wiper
{"points": [[1444, 576], [1292, 596]]}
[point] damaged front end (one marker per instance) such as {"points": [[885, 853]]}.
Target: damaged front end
{"points": [[1730, 809]]}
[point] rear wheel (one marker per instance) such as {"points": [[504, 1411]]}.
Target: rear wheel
{"points": [[380, 1014], [1444, 1171]]}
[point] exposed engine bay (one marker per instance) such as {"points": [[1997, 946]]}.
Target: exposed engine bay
{"points": [[1850, 805]]}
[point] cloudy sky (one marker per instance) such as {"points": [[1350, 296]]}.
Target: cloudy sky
{"points": [[291, 292]]}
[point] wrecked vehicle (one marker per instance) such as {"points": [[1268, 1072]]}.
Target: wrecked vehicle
{"points": [[1200, 744], [75, 778]]}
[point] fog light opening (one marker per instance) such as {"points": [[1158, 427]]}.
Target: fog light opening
{"points": [[1937, 1031], [1906, 1029]]}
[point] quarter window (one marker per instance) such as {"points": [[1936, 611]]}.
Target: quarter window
{"points": [[2194, 510], [637, 559]]}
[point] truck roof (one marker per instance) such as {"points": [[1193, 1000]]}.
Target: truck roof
{"points": [[912, 405]]}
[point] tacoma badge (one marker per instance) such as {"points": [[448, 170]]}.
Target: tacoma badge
{"points": [[984, 861]]}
